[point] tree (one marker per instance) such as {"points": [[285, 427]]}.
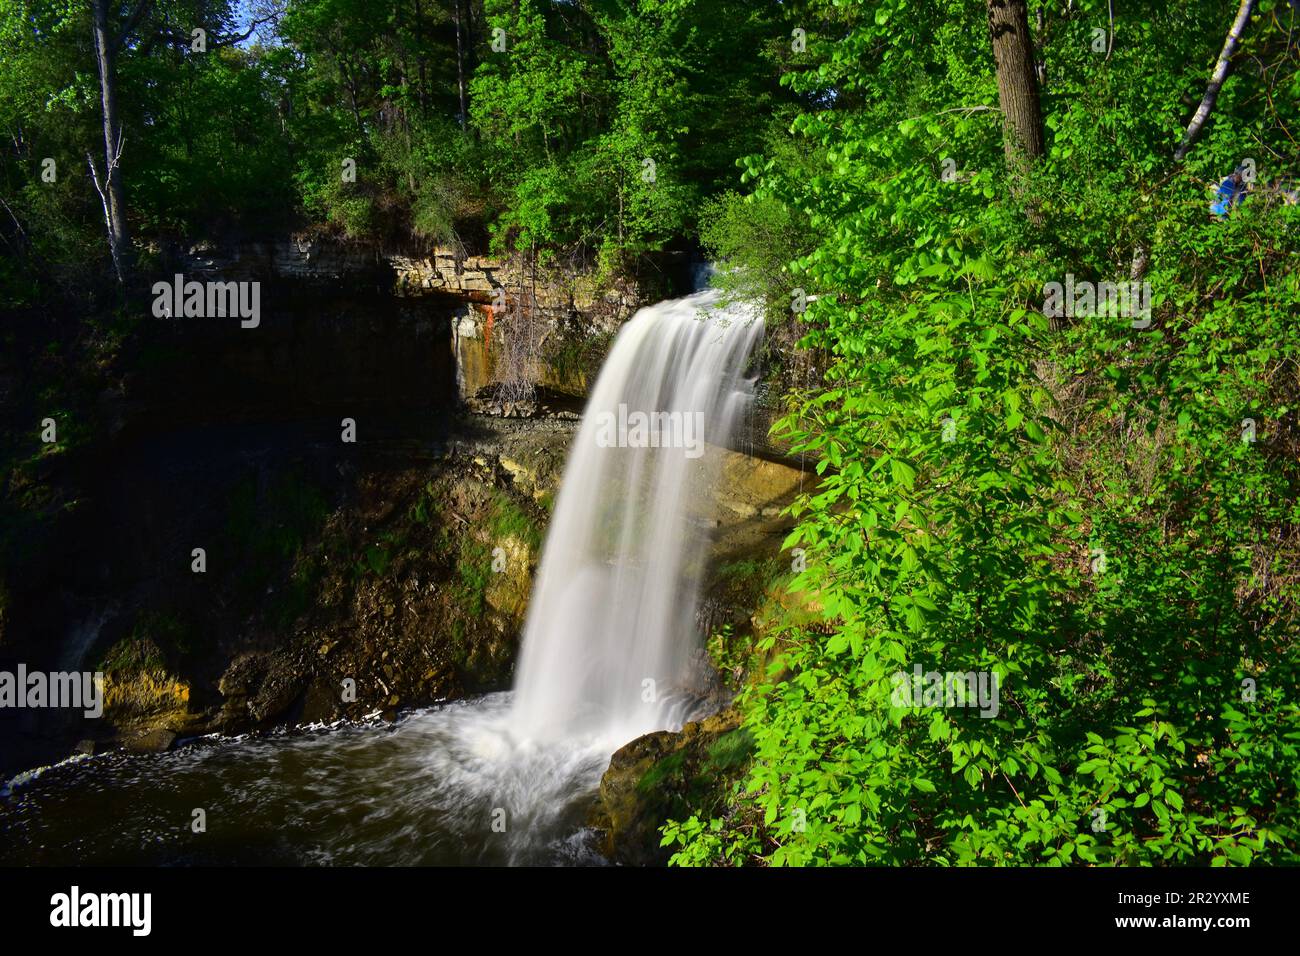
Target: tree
{"points": [[1073, 511], [1217, 78], [106, 47], [140, 27], [1013, 52]]}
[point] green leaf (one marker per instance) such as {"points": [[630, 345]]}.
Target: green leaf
{"points": [[902, 473]]}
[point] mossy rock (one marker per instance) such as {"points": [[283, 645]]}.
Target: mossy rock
{"points": [[511, 583], [147, 699], [667, 775]]}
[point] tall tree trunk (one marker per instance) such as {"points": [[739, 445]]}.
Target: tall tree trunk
{"points": [[351, 86], [119, 236], [421, 55], [460, 65], [1022, 113]]}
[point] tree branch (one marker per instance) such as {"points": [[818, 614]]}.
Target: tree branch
{"points": [[133, 21], [103, 190], [1217, 78], [170, 36]]}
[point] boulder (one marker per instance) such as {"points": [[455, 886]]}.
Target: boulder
{"points": [[665, 775]]}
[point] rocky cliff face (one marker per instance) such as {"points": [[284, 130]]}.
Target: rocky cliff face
{"points": [[526, 339], [559, 318], [546, 329], [395, 584], [313, 261]]}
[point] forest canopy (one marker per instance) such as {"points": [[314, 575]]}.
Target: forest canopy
{"points": [[597, 127]]}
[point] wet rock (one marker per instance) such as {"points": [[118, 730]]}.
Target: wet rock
{"points": [[146, 698], [667, 775], [247, 671], [321, 704], [511, 586], [285, 681], [750, 486], [157, 740]]}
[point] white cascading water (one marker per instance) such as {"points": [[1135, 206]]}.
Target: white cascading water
{"points": [[611, 624]]}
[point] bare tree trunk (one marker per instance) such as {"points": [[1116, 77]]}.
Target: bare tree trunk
{"points": [[460, 65], [1217, 78], [1022, 113], [352, 97], [119, 236], [421, 53]]}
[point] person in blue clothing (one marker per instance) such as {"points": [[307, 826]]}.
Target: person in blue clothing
{"points": [[1232, 191]]}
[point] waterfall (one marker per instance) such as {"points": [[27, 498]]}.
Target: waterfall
{"points": [[510, 777], [612, 621]]}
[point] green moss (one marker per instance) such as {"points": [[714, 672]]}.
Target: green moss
{"points": [[746, 581], [378, 559], [267, 532], [426, 507], [297, 596], [473, 574], [508, 520], [731, 750], [661, 773], [700, 777], [156, 638], [459, 643], [129, 655]]}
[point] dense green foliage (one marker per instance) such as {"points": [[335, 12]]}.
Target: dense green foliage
{"points": [[592, 129], [202, 141], [1075, 509]]}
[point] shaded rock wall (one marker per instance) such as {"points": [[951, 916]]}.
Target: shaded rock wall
{"points": [[568, 313]]}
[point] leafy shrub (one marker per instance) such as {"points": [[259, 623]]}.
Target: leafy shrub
{"points": [[1070, 508]]}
